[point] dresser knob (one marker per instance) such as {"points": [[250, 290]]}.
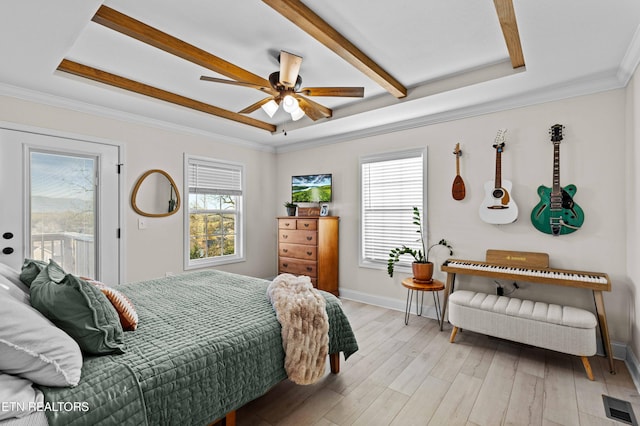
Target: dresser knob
{"points": [[7, 235], [306, 225], [285, 236], [309, 253], [309, 268], [7, 250], [285, 250], [309, 238], [286, 265]]}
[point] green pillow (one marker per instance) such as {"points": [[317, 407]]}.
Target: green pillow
{"points": [[30, 270], [78, 308]]}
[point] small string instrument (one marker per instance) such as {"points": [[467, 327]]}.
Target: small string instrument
{"points": [[457, 189]]}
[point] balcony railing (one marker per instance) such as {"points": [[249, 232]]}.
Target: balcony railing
{"points": [[74, 251]]}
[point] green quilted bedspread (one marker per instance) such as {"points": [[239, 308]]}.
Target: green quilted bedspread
{"points": [[207, 343]]}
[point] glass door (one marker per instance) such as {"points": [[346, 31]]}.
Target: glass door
{"points": [[61, 201]]}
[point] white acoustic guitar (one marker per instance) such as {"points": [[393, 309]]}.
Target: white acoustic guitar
{"points": [[498, 207]]}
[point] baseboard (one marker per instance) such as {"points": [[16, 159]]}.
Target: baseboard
{"points": [[620, 350], [633, 366]]}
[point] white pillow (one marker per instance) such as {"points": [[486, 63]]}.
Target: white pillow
{"points": [[13, 276], [35, 349], [18, 397], [12, 290]]}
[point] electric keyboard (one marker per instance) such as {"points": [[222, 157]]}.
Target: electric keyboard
{"points": [[564, 277], [534, 268]]}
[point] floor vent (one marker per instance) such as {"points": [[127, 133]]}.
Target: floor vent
{"points": [[619, 410]]}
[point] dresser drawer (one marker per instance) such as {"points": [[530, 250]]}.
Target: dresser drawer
{"points": [[287, 223], [298, 267], [308, 224], [298, 251], [297, 237], [304, 224]]}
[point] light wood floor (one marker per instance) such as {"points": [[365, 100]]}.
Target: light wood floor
{"points": [[412, 375]]}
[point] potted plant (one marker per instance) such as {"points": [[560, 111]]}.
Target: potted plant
{"points": [[291, 208], [422, 268]]}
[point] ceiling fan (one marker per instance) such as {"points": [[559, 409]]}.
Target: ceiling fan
{"points": [[285, 89]]}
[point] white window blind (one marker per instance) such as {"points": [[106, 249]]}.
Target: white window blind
{"points": [[391, 185], [208, 177]]}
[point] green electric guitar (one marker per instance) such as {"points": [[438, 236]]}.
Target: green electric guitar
{"points": [[557, 213]]}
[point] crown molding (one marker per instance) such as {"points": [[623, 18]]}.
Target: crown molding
{"points": [[588, 85], [631, 59], [600, 82], [83, 107]]}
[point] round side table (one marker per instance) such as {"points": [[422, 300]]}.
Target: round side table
{"points": [[434, 287]]}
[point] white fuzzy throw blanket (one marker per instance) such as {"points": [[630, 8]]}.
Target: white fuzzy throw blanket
{"points": [[301, 310]]}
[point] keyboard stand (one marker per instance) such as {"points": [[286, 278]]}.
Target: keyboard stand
{"points": [[596, 288]]}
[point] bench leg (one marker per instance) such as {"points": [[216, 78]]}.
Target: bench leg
{"points": [[587, 367], [453, 334]]}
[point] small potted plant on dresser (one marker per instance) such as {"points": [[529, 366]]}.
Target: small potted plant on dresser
{"points": [[422, 268], [291, 208]]}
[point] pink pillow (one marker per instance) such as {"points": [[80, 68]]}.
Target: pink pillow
{"points": [[124, 307]]}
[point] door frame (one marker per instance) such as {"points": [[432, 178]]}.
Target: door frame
{"points": [[121, 181]]}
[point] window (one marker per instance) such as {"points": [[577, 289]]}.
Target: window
{"points": [[63, 210], [213, 222], [391, 185]]}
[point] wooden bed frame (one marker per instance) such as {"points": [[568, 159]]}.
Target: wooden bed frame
{"points": [[230, 418]]}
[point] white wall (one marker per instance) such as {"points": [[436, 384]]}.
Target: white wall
{"points": [[152, 252], [594, 153], [592, 157], [633, 198]]}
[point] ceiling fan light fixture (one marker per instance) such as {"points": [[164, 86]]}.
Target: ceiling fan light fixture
{"points": [[270, 107], [290, 104], [297, 114]]}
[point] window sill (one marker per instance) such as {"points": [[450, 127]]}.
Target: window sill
{"points": [[383, 267], [207, 263]]}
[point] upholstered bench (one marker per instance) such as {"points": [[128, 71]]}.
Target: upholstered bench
{"points": [[558, 328]]}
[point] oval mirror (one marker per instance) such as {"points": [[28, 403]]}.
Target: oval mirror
{"points": [[155, 194]]}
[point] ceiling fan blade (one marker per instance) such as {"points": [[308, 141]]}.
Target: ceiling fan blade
{"points": [[349, 92], [314, 110], [236, 83], [289, 68], [254, 107]]}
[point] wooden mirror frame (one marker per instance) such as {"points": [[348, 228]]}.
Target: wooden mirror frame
{"points": [[134, 194]]}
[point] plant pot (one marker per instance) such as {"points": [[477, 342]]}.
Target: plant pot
{"points": [[291, 211], [422, 272]]}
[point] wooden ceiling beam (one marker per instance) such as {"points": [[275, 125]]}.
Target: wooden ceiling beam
{"points": [[509, 25], [140, 31], [163, 95], [311, 23]]}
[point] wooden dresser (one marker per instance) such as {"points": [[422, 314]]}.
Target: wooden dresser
{"points": [[309, 246]]}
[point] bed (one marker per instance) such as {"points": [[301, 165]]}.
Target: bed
{"points": [[207, 343]]}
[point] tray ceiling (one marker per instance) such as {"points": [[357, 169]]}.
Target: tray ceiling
{"points": [[451, 58]]}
